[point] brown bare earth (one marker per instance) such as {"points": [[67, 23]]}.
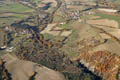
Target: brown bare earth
{"points": [[95, 17], [104, 22], [55, 31], [76, 7], [1, 39], [66, 33], [113, 31], [22, 70]]}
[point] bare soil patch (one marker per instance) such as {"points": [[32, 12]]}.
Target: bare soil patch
{"points": [[104, 22], [107, 10], [95, 17], [48, 28], [55, 31], [66, 33], [22, 70], [114, 31], [53, 2]]}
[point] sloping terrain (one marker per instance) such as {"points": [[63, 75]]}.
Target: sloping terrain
{"points": [[60, 40], [102, 63], [22, 70]]}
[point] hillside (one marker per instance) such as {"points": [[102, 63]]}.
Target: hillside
{"points": [[59, 40]]}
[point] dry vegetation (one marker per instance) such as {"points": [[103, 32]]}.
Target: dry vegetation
{"points": [[102, 63], [104, 22]]}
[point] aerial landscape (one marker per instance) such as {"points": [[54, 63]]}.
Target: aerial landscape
{"points": [[59, 39]]}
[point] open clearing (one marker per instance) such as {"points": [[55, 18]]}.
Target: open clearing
{"points": [[22, 70], [108, 16], [48, 28], [53, 2], [104, 22], [13, 7], [10, 12], [114, 31], [55, 31], [66, 33], [107, 10], [110, 45]]}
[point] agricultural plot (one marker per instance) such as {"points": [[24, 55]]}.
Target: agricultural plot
{"points": [[104, 22], [1, 39], [52, 2], [56, 31], [54, 41], [22, 70], [107, 16], [13, 7], [10, 12]]}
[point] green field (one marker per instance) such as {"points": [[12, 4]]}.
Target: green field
{"points": [[10, 20], [117, 2], [17, 12], [13, 7], [37, 1], [103, 16]]}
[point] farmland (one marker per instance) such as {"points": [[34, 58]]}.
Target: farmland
{"points": [[78, 39], [10, 12]]}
